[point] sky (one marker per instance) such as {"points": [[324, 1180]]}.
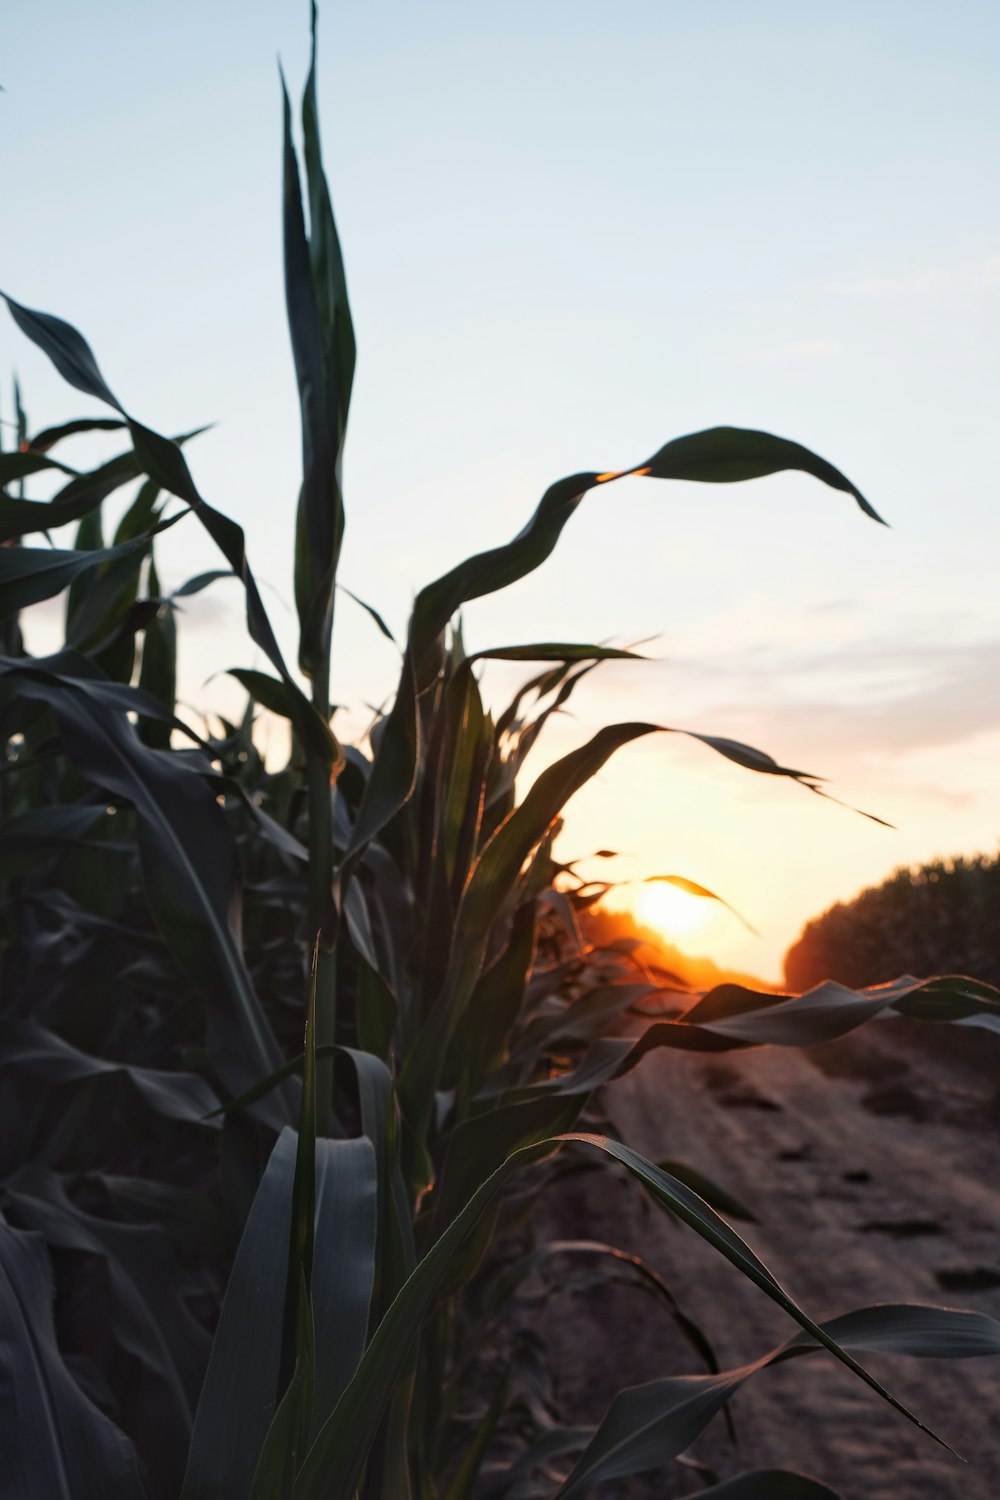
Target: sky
{"points": [[572, 232]]}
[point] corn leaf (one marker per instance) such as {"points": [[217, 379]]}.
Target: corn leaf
{"points": [[240, 1394], [31, 574], [718, 455], [163, 461], [649, 1425], [187, 857], [26, 1048], [334, 1463], [54, 1441], [319, 321], [140, 1313]]}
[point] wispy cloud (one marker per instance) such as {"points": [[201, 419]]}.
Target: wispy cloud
{"points": [[966, 276], [893, 700]]}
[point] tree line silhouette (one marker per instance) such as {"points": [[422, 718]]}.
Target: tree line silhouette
{"points": [[939, 918]]}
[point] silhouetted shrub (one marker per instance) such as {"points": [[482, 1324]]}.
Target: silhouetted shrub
{"points": [[941, 918]]}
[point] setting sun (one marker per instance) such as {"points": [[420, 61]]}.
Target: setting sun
{"points": [[674, 913]]}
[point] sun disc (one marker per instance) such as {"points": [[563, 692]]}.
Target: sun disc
{"points": [[674, 913]]}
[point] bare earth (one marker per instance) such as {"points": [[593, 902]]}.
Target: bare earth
{"points": [[871, 1165]]}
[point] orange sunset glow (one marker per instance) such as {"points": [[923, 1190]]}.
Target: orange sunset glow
{"points": [[675, 914]]}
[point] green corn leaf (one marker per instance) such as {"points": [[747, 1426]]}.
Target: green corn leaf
{"points": [[240, 1393], [380, 1124], [371, 612], [147, 1322], [323, 347], [731, 1017], [723, 1201], [719, 455], [158, 666], [21, 465], [303, 1220], [73, 667], [201, 581], [264, 1085], [334, 1463], [583, 1019], [66, 348], [481, 1144], [281, 698], [162, 460], [43, 441], [526, 735], [54, 1441], [89, 539], [727, 455], [562, 651], [344, 1262], [831, 1010], [107, 612], [79, 498], [649, 1425], [239, 1399], [490, 884], [30, 574], [482, 1034], [463, 769], [187, 856], [501, 860], [28, 1049], [277, 1463]]}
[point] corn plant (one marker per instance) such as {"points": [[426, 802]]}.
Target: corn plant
{"points": [[290, 1053]]}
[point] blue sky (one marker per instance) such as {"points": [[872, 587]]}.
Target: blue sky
{"points": [[574, 231]]}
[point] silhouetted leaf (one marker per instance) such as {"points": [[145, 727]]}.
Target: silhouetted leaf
{"points": [[54, 1441]]}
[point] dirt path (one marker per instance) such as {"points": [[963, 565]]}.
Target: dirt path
{"points": [[871, 1165]]}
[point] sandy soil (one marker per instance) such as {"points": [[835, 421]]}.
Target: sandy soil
{"points": [[871, 1165]]}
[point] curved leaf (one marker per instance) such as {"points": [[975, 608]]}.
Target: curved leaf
{"points": [[30, 574], [187, 857], [692, 888], [30, 1049], [319, 320], [335, 1461], [648, 1425], [163, 461], [49, 436], [240, 1393], [718, 455], [54, 1441], [147, 1322], [66, 348], [371, 612], [728, 455]]}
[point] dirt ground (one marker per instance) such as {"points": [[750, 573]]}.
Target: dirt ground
{"points": [[872, 1167]]}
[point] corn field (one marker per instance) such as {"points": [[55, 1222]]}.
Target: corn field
{"points": [[290, 1053]]}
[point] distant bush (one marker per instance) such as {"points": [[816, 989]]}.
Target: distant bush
{"points": [[941, 918]]}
